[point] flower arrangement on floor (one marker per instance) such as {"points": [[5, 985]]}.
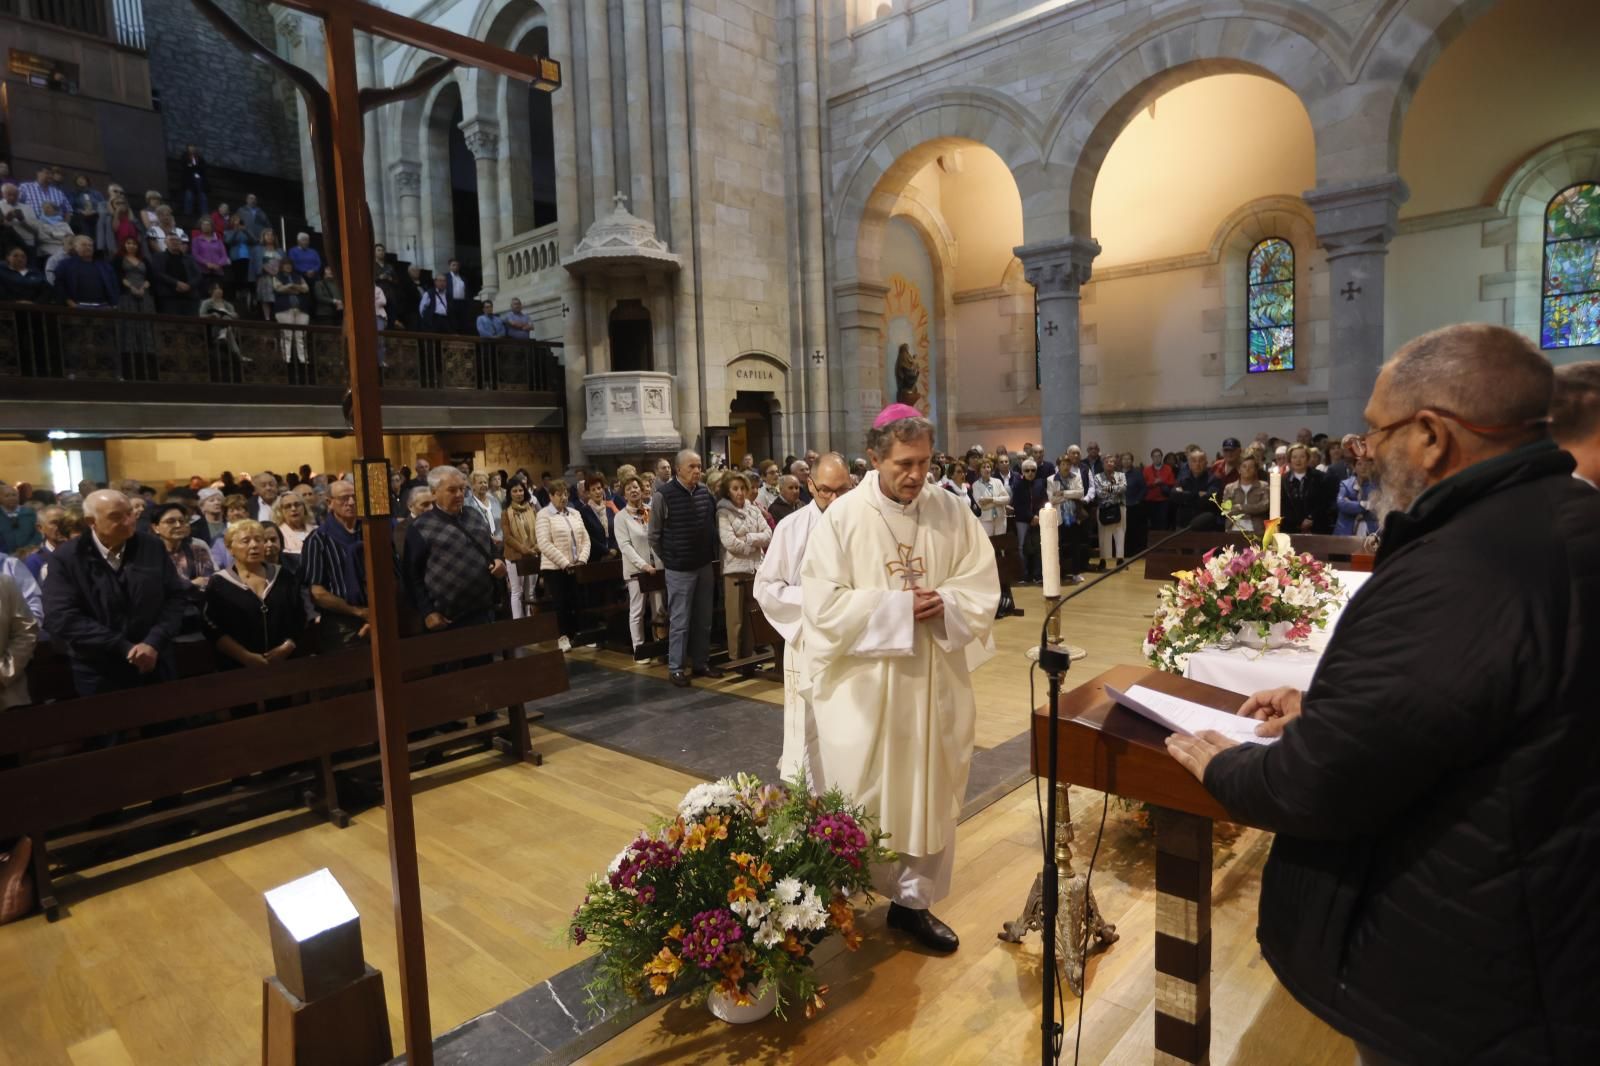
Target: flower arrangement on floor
{"points": [[1262, 588], [731, 895]]}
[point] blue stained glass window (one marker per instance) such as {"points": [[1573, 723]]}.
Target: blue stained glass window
{"points": [[1270, 306], [1571, 310]]}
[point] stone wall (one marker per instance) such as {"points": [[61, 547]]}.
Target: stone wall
{"points": [[214, 96]]}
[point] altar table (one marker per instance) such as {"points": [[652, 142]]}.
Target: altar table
{"points": [[1248, 670]]}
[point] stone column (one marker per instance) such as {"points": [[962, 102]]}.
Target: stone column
{"points": [[483, 141], [860, 308], [407, 178], [641, 166], [372, 157], [1058, 270], [597, 60], [1355, 222], [676, 87], [304, 50]]}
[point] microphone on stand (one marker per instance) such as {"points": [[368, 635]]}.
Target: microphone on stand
{"points": [[1056, 660]]}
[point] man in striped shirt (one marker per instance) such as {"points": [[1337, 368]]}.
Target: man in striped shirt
{"points": [[333, 565]]}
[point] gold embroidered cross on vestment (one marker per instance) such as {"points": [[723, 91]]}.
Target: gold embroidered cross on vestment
{"points": [[906, 568]]}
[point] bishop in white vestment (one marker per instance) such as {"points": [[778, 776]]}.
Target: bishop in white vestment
{"points": [[777, 591], [900, 589]]}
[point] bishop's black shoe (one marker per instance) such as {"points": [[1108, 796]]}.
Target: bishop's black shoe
{"points": [[679, 678], [713, 672], [924, 928]]}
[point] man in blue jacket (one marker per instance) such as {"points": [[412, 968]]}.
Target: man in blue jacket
{"points": [[114, 600]]}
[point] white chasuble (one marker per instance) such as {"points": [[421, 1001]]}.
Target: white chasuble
{"points": [[893, 696], [777, 591]]}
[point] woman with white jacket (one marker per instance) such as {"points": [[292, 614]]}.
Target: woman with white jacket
{"points": [[745, 534], [563, 545], [1111, 490], [1067, 491], [632, 530], [991, 497]]}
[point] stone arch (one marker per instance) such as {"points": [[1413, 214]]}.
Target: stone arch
{"points": [[907, 141], [519, 25], [1295, 46], [1522, 201], [1402, 41], [436, 117]]}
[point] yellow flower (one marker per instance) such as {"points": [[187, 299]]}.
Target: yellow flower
{"points": [[1270, 535], [1183, 575], [762, 873], [662, 969], [675, 933], [743, 859], [696, 838], [716, 828], [675, 832], [741, 891]]}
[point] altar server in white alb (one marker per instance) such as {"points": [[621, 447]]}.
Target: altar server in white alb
{"points": [[777, 590], [900, 590]]}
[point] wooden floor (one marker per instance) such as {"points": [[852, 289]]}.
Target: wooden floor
{"points": [[161, 963]]}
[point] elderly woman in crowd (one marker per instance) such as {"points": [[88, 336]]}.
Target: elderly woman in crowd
{"points": [[19, 635], [563, 545], [292, 518], [209, 251], [235, 508], [1354, 503], [519, 524], [632, 530], [1159, 478], [745, 534], [190, 557], [1066, 490], [483, 501], [1248, 496], [210, 523], [254, 611], [1110, 493], [990, 496], [597, 519], [148, 215]]}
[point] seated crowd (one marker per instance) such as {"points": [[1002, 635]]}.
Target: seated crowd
{"points": [[80, 247]]}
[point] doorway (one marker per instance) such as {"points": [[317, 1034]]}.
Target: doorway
{"points": [[750, 427]]}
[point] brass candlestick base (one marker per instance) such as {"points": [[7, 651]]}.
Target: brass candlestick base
{"points": [[1076, 912]]}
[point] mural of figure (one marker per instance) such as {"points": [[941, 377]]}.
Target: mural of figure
{"points": [[905, 378]]}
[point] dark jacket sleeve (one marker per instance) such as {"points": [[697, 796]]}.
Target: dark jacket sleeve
{"points": [[65, 616], [1390, 712], [414, 569], [175, 596]]}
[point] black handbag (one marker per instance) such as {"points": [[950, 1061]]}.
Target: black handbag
{"points": [[1110, 514]]}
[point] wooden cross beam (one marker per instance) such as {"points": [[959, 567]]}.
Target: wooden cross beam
{"points": [[341, 20]]}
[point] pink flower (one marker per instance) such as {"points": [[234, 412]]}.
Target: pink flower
{"points": [[1267, 602], [1225, 605], [1203, 579], [1246, 590]]}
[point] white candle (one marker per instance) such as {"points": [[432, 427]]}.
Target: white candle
{"points": [[1275, 504], [1049, 536]]}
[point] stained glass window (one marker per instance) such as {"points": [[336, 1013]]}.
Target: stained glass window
{"points": [[1270, 306], [1572, 268]]}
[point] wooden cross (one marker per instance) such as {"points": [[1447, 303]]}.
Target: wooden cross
{"points": [[1350, 291], [341, 106], [1050, 328], [906, 568]]}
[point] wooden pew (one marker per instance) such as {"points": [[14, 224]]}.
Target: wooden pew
{"points": [[183, 742]]}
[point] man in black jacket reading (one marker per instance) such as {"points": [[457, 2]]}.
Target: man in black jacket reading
{"points": [[1436, 792]]}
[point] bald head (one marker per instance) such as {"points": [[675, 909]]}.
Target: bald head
{"points": [[1485, 374], [831, 479], [110, 514]]}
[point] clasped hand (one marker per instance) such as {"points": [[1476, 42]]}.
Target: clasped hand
{"points": [[926, 605], [1274, 708]]}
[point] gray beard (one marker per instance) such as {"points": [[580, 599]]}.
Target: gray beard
{"points": [[1397, 489]]}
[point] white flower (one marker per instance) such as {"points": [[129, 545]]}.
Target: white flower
{"points": [[714, 795], [788, 890], [616, 863], [768, 936], [754, 912], [807, 913]]}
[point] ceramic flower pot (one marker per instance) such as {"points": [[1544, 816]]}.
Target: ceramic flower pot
{"points": [[1277, 636], [722, 1006]]}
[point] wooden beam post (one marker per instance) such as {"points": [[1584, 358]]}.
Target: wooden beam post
{"points": [[361, 340]]}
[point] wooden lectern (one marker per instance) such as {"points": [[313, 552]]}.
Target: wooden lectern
{"points": [[1112, 749]]}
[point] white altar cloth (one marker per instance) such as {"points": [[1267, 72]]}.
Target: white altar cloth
{"points": [[1247, 670]]}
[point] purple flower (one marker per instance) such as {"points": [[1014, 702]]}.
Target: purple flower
{"points": [[578, 935], [711, 934], [643, 854], [842, 835]]}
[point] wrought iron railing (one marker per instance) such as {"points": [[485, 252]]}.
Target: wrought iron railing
{"points": [[45, 342]]}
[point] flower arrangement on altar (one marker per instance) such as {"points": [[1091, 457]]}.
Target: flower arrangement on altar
{"points": [[731, 895], [1265, 591]]}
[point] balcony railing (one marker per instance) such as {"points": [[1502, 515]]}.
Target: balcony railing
{"points": [[118, 21], [44, 343], [527, 255]]}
